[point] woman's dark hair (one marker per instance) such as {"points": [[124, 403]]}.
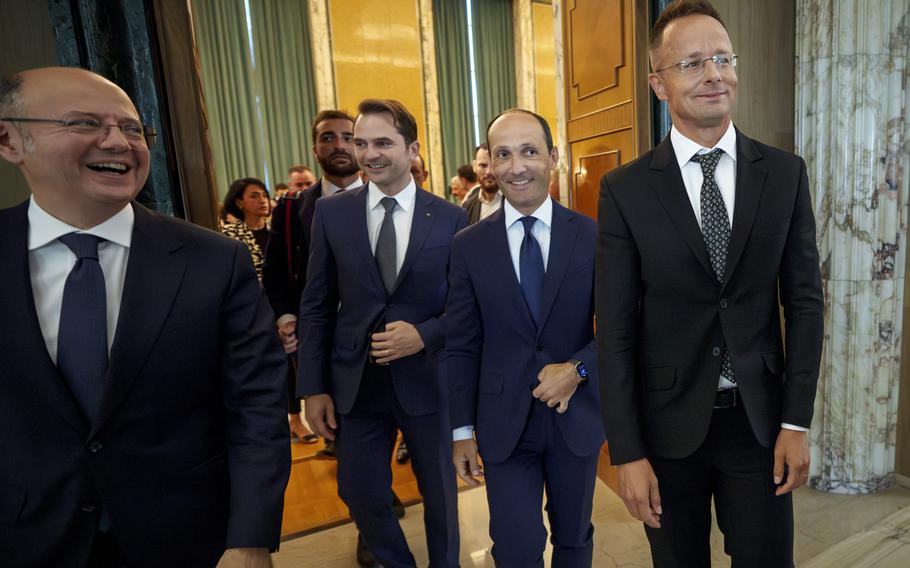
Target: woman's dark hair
{"points": [[235, 192]]}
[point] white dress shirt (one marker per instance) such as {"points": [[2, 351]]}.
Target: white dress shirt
{"points": [[402, 217], [515, 233], [50, 262], [725, 176], [328, 188], [487, 208]]}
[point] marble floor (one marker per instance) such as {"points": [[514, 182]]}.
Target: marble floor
{"points": [[822, 521]]}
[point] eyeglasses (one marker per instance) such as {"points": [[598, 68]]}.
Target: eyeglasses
{"points": [[91, 125], [723, 62]]}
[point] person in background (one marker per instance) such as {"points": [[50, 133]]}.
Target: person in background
{"points": [[248, 201], [469, 181], [489, 199], [280, 190], [457, 189], [300, 177]]}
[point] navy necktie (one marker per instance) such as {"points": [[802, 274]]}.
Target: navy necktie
{"points": [[386, 246], [715, 227], [530, 268], [82, 339]]}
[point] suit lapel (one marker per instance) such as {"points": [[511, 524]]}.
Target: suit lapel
{"points": [[671, 193], [363, 236], [563, 234], [21, 331], [153, 277], [307, 207], [421, 223], [750, 184]]}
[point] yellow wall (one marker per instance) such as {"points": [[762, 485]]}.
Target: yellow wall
{"points": [[376, 54], [545, 64]]}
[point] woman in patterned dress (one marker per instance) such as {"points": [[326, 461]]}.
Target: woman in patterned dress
{"points": [[248, 201]]}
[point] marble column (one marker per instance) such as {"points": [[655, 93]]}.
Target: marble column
{"points": [[852, 128]]}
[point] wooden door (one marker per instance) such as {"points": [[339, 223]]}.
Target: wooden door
{"points": [[607, 112]]}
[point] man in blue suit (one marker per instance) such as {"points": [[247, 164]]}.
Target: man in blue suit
{"points": [[520, 355], [142, 398], [371, 332]]}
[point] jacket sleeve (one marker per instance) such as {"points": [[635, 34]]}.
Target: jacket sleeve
{"points": [[276, 273]]}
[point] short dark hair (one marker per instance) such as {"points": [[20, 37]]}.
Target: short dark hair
{"points": [[10, 87], [402, 119], [676, 10], [481, 146], [547, 135], [467, 172], [235, 192], [329, 114], [299, 169], [280, 186]]}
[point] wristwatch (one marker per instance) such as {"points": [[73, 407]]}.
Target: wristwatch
{"points": [[580, 369]]}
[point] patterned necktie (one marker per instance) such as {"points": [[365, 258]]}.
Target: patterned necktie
{"points": [[530, 268], [82, 339], [386, 245], [715, 228]]}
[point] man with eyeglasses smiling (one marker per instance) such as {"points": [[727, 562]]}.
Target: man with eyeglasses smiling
{"points": [[702, 241], [142, 395]]}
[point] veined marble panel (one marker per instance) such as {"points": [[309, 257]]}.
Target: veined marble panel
{"points": [[853, 130]]}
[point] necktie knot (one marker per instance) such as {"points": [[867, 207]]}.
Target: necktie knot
{"points": [[389, 203], [83, 245], [708, 161], [528, 222]]}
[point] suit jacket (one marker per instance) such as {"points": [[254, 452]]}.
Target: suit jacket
{"points": [[494, 350], [663, 316], [335, 346], [287, 252], [191, 451]]}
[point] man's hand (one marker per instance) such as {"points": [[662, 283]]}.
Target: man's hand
{"points": [[288, 335], [792, 449], [638, 490], [400, 339], [558, 382], [245, 558], [320, 414], [464, 456]]}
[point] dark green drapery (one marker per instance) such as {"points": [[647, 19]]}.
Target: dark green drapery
{"points": [[450, 26], [494, 49]]}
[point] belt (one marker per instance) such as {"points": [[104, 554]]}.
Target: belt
{"points": [[726, 398]]}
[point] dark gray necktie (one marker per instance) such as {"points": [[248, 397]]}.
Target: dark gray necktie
{"points": [[386, 246], [82, 338], [715, 227]]}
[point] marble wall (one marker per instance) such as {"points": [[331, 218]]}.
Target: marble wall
{"points": [[853, 129]]}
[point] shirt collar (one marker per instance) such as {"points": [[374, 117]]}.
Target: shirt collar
{"points": [[44, 228], [543, 213], [329, 188], [685, 148], [405, 198]]}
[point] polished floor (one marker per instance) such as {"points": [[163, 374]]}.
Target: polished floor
{"points": [[823, 522]]}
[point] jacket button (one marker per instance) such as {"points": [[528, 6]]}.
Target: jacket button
{"points": [[540, 348], [723, 303], [716, 352], [88, 508], [95, 447]]}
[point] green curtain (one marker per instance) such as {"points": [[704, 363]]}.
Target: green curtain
{"points": [[227, 78], [284, 71], [494, 49], [450, 26]]}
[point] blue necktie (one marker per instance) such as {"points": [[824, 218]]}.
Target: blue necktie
{"points": [[530, 268], [82, 339]]}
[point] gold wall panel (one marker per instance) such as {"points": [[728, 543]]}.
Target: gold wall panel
{"points": [[545, 64], [376, 54], [598, 54]]}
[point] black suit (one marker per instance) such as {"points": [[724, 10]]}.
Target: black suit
{"points": [[663, 317], [190, 452]]}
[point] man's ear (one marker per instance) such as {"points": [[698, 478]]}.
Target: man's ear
{"points": [[414, 149], [657, 85], [11, 143]]}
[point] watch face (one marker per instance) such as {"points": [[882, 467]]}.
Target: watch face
{"points": [[581, 370]]}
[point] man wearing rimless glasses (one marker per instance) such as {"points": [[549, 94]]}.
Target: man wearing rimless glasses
{"points": [[703, 242], [142, 394]]}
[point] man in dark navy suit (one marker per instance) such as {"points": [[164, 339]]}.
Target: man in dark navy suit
{"points": [[142, 398], [520, 355], [371, 326]]}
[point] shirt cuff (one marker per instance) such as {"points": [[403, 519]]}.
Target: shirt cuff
{"points": [[285, 319], [786, 426], [463, 433]]}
